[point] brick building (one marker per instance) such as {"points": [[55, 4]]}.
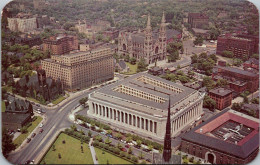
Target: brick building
{"points": [[251, 63], [81, 69], [60, 44], [222, 96], [198, 20], [229, 137], [239, 80], [241, 47]]}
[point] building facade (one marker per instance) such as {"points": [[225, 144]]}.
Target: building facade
{"points": [[241, 47], [239, 80], [229, 137], [198, 20], [22, 24], [222, 96], [139, 104], [147, 45], [80, 69], [60, 44]]}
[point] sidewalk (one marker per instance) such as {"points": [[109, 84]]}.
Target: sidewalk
{"points": [[93, 153]]}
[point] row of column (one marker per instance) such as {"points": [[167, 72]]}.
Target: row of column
{"points": [[125, 118], [186, 117]]}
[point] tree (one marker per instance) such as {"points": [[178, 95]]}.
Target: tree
{"points": [[83, 101], [108, 141], [209, 103], [221, 82], [139, 142], [7, 143], [256, 56], [198, 41], [109, 132], [150, 147], [134, 159], [130, 150], [140, 155], [194, 58], [129, 139], [255, 101], [236, 107], [98, 138], [173, 50], [208, 82], [89, 133], [141, 66], [133, 60], [127, 58], [237, 62], [73, 127], [228, 54]]}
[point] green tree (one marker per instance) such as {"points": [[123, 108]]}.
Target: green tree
{"points": [[198, 41], [139, 142], [108, 141], [89, 133], [130, 150], [127, 59], [256, 56], [255, 101], [208, 83], [228, 54], [194, 58], [150, 147], [73, 127], [7, 143], [132, 60], [209, 103], [141, 66], [83, 101], [221, 82], [236, 107]]}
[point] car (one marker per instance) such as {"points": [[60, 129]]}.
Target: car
{"points": [[127, 146], [18, 130], [123, 141], [148, 160], [41, 125], [27, 162], [38, 105], [41, 130], [33, 135], [136, 146], [103, 133], [109, 135], [123, 149], [28, 140]]}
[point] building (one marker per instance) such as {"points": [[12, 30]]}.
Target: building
{"points": [[229, 137], [60, 44], [254, 38], [222, 96], [22, 23], [201, 32], [198, 20], [111, 34], [80, 69], [250, 109], [173, 36], [14, 121], [239, 80], [139, 104], [39, 87], [251, 63], [241, 47], [156, 71], [147, 45]]}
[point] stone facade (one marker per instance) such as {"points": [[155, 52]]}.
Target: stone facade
{"points": [[142, 108], [147, 45], [22, 24], [81, 69]]}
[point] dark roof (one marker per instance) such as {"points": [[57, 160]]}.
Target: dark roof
{"points": [[16, 105], [248, 107], [241, 151], [220, 91], [14, 117], [170, 33], [236, 70], [122, 64], [254, 61]]}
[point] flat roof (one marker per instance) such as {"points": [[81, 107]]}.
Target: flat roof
{"points": [[109, 93], [236, 70], [220, 91], [243, 148]]}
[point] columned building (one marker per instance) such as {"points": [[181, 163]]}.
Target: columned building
{"points": [[139, 104]]}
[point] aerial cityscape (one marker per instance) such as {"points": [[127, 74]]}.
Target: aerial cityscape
{"points": [[130, 82]]}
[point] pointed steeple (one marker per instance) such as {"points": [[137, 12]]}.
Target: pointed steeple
{"points": [[167, 151], [163, 18], [148, 22]]}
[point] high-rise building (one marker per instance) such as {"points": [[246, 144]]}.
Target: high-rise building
{"points": [[60, 44], [198, 20], [81, 69], [147, 45], [22, 23]]}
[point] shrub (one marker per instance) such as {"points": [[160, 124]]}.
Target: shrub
{"points": [[134, 159], [128, 156], [191, 159], [63, 141], [122, 154]]}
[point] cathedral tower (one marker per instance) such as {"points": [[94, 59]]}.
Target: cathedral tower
{"points": [[148, 45], [167, 151], [162, 38]]}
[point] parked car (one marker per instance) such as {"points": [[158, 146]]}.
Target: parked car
{"points": [[127, 146], [28, 140], [18, 130], [103, 133], [41, 130], [123, 149], [109, 135], [41, 125], [33, 135], [148, 160]]}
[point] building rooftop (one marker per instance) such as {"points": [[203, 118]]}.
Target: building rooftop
{"points": [[220, 91], [196, 30], [229, 132], [14, 117], [236, 70], [153, 98]]}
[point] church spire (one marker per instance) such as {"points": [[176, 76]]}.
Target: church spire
{"points": [[148, 22], [167, 151], [163, 18]]}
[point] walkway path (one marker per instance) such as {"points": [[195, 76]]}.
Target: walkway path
{"points": [[93, 153]]}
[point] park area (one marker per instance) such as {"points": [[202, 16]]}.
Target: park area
{"points": [[67, 150], [132, 68], [107, 158]]}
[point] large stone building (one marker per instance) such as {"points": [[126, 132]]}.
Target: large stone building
{"points": [[222, 96], [147, 45], [60, 44], [229, 137], [81, 69], [22, 23], [139, 104], [240, 46], [239, 80], [198, 20]]}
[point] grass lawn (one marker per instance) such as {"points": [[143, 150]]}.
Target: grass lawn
{"points": [[34, 100], [58, 100], [132, 68], [23, 136], [70, 152], [112, 159], [3, 106]]}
